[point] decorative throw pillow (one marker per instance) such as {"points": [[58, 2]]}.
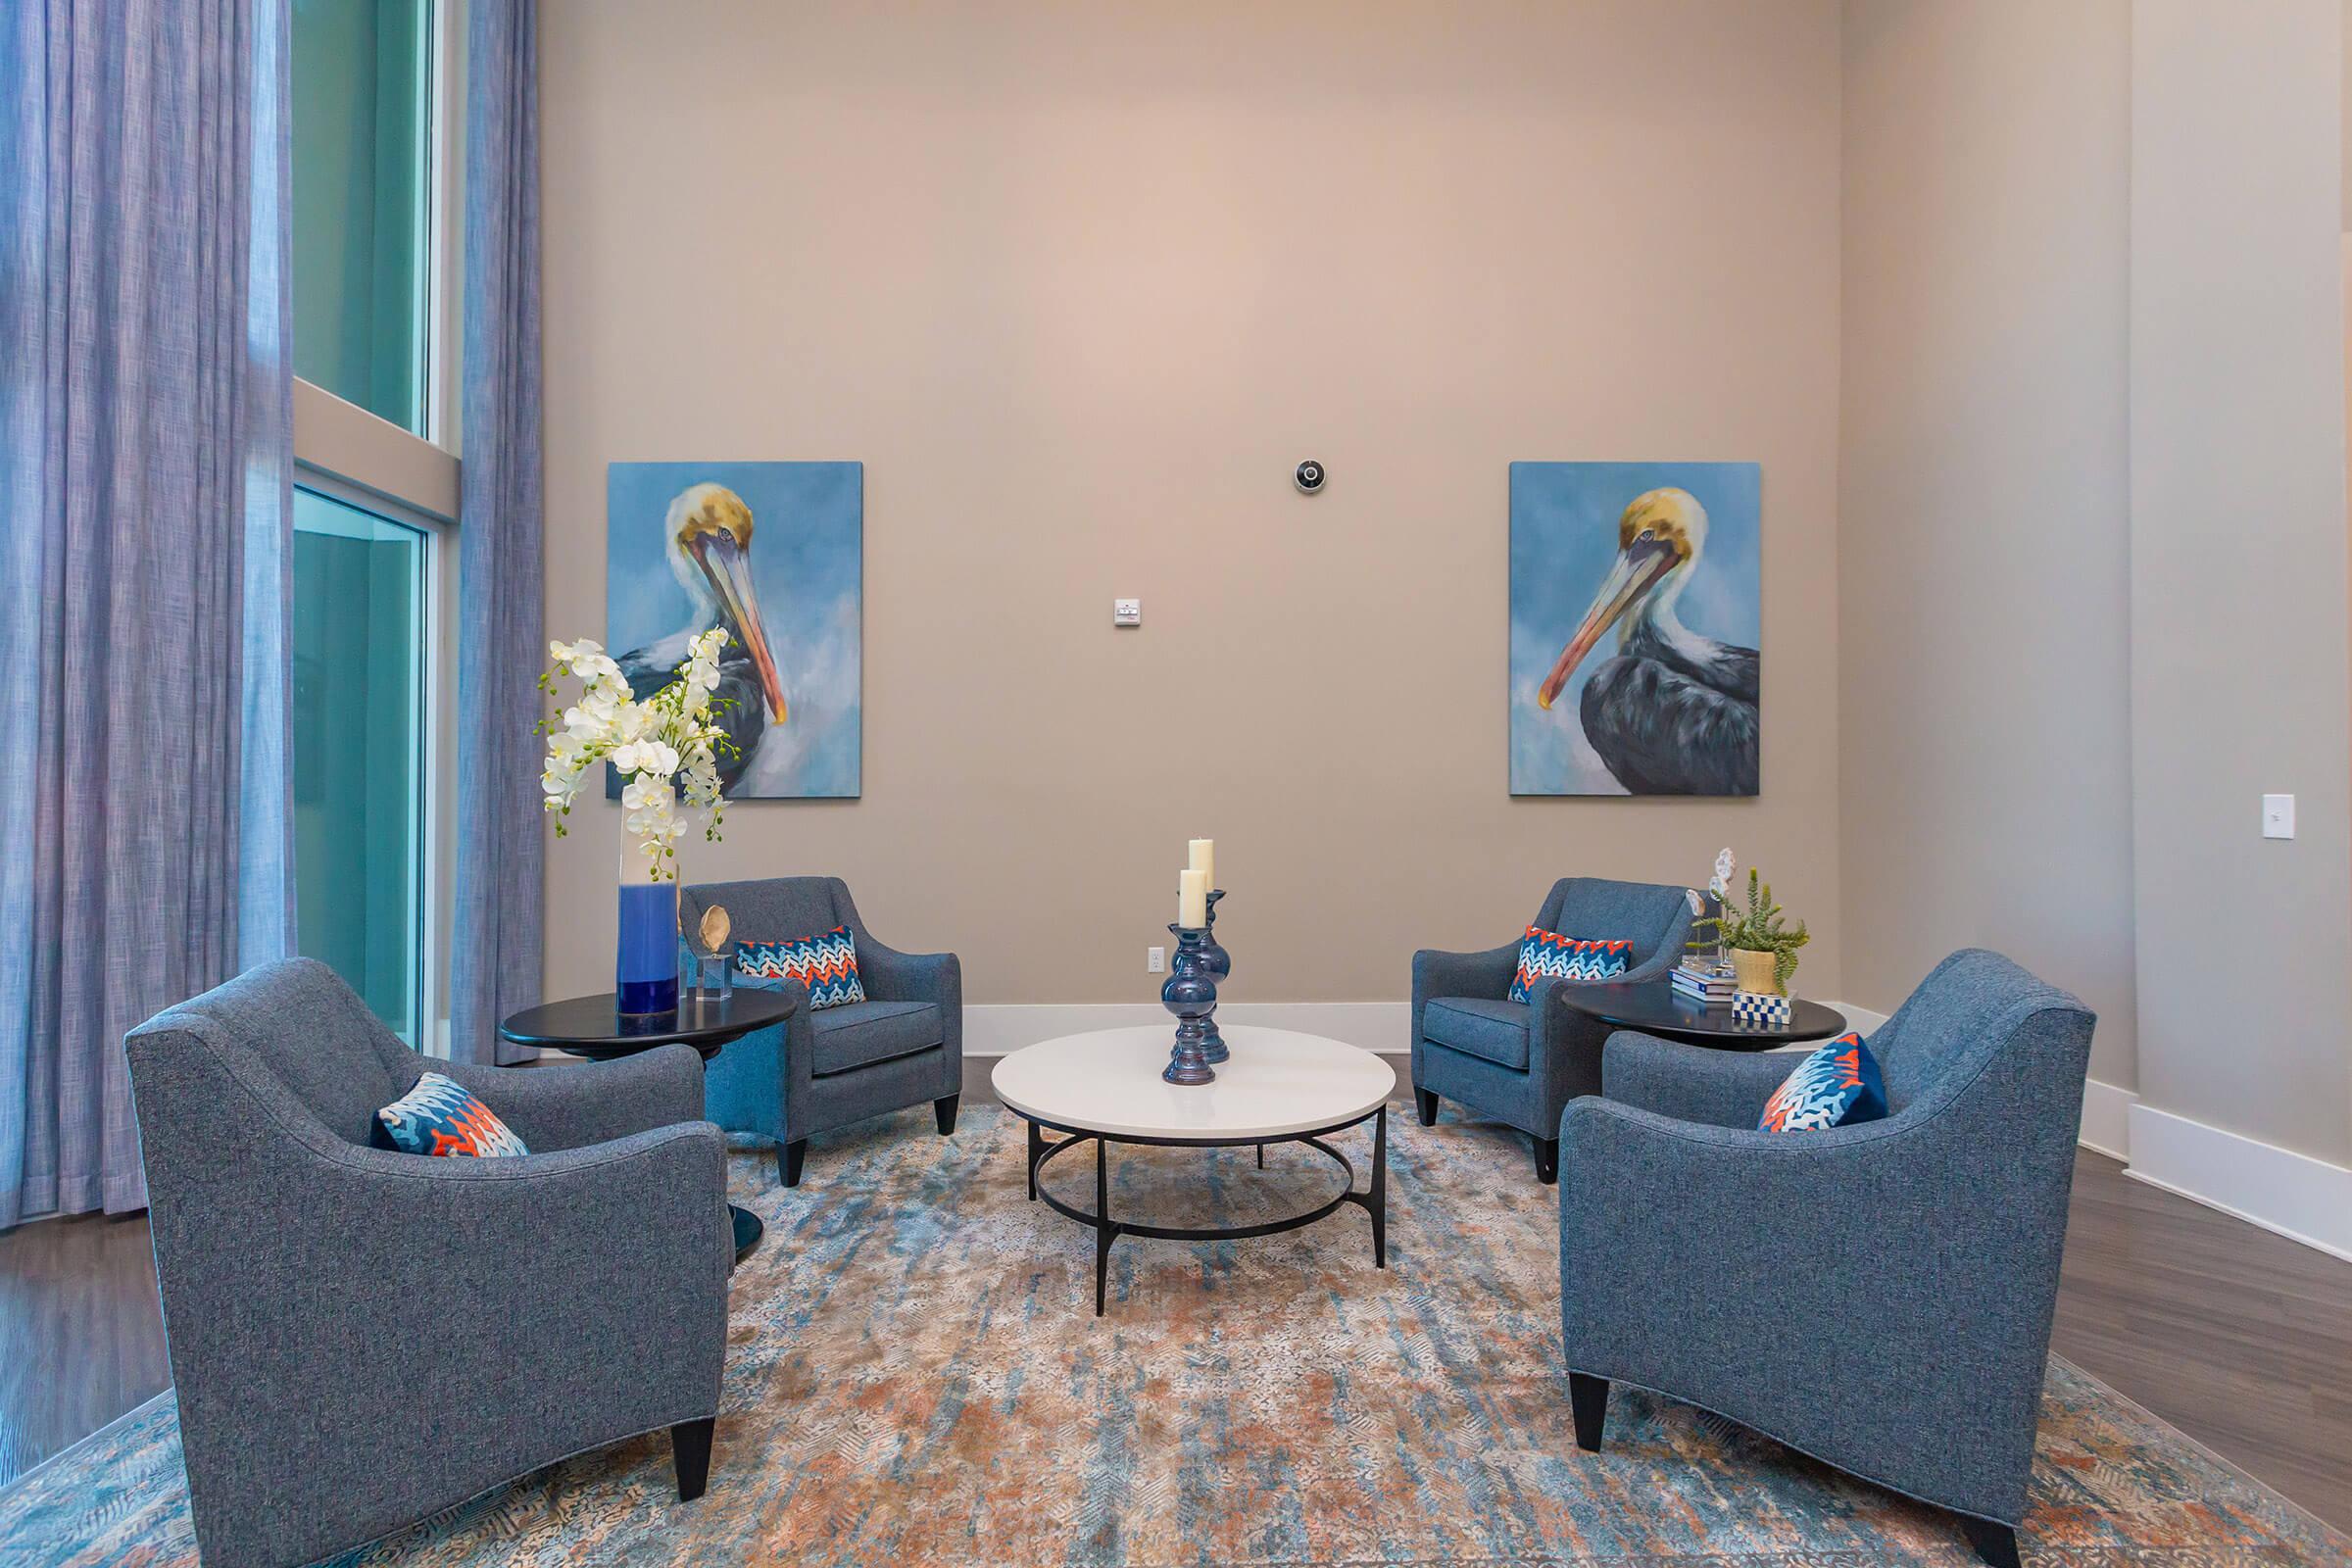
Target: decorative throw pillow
{"points": [[827, 965], [1548, 955], [442, 1116], [1836, 1086]]}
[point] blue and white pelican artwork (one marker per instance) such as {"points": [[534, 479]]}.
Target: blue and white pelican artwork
{"points": [[775, 553], [1637, 614]]}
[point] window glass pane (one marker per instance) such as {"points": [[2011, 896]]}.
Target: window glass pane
{"points": [[361, 118], [359, 751]]}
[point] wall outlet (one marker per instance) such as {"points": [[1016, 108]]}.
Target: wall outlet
{"points": [[1126, 612], [1155, 960], [2277, 816]]}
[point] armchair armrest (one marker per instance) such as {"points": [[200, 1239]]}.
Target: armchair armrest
{"points": [[1439, 973], [570, 1108], [890, 975], [1691, 1082]]}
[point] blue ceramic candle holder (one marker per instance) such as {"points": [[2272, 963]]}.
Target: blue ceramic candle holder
{"points": [[1190, 994], [1220, 965]]}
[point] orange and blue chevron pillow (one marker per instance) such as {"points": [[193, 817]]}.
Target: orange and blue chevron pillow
{"points": [[1836, 1086], [442, 1116], [827, 965], [1548, 955]]}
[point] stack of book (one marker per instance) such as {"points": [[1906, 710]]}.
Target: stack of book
{"points": [[1703, 983]]}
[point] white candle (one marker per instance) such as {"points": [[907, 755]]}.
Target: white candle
{"points": [[1205, 861], [1191, 899]]}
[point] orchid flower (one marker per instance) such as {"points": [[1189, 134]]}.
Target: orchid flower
{"points": [[663, 745]]}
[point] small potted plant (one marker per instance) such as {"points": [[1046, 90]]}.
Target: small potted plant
{"points": [[1763, 948]]}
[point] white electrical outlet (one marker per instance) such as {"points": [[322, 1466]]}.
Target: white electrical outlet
{"points": [[1126, 612], [2277, 816], [1155, 960]]}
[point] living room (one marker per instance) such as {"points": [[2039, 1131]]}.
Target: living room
{"points": [[1039, 729]]}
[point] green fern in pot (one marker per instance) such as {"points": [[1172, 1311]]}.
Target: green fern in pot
{"points": [[1758, 934]]}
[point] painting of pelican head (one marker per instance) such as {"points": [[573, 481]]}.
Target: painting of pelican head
{"points": [[774, 554], [1636, 614]]}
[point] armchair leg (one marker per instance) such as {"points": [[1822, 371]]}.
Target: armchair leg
{"points": [[1588, 1401], [942, 1110], [789, 1159], [1996, 1543], [1548, 1160], [1425, 1105], [690, 1451]]}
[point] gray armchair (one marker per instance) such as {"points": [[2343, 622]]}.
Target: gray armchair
{"points": [[1522, 1062], [826, 1068], [1878, 1296], [362, 1337]]}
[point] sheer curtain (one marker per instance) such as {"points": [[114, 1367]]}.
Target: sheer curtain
{"points": [[145, 508], [495, 965]]}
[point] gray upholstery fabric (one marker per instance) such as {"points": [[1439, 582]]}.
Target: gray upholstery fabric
{"points": [[1494, 1030], [1877, 1295], [1526, 1086], [1723, 1088], [779, 1082], [864, 1033], [538, 1306]]}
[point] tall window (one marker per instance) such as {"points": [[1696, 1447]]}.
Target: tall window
{"points": [[373, 152], [362, 185], [360, 664]]}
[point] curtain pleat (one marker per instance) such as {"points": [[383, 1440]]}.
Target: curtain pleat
{"points": [[145, 438], [495, 962]]}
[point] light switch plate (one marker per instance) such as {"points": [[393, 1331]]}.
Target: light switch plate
{"points": [[2277, 816], [1155, 960], [1126, 612]]}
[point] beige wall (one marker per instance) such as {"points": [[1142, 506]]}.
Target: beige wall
{"points": [[1983, 569], [1080, 284], [2238, 610]]}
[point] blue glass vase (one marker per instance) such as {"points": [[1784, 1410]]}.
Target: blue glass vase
{"points": [[645, 959]]}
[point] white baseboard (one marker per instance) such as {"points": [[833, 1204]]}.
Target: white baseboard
{"points": [[995, 1029], [2107, 1119], [2295, 1196]]}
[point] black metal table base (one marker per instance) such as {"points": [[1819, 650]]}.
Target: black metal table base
{"points": [[748, 1230], [1374, 1202]]}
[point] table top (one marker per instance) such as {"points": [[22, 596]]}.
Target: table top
{"points": [[1278, 1083], [1655, 1006], [595, 1025]]}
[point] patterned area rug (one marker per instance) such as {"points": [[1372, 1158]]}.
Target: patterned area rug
{"points": [[915, 1376]]}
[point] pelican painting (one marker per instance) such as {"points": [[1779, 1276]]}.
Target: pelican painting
{"points": [[1636, 612], [773, 553]]}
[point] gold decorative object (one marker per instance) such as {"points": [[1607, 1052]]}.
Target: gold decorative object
{"points": [[714, 929]]}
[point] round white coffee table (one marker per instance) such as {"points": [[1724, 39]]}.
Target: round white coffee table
{"points": [[1279, 1086]]}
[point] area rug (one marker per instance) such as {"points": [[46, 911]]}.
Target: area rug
{"points": [[915, 1376]]}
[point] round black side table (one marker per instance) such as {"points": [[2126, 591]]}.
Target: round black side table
{"points": [[1655, 1008], [595, 1027]]}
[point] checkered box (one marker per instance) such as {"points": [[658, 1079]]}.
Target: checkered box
{"points": [[1759, 1007]]}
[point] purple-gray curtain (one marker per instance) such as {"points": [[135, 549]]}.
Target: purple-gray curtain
{"points": [[145, 544], [500, 821]]}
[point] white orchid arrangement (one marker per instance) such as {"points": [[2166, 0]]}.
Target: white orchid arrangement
{"points": [[654, 740]]}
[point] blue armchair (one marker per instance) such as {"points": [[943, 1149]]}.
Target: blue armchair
{"points": [[826, 1068], [1521, 1063], [1878, 1296], [344, 1322]]}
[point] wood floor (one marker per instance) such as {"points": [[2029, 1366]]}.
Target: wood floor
{"points": [[2238, 1336]]}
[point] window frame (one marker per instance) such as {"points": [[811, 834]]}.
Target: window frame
{"points": [[347, 454]]}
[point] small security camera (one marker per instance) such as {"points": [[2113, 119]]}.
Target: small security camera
{"points": [[1309, 478]]}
